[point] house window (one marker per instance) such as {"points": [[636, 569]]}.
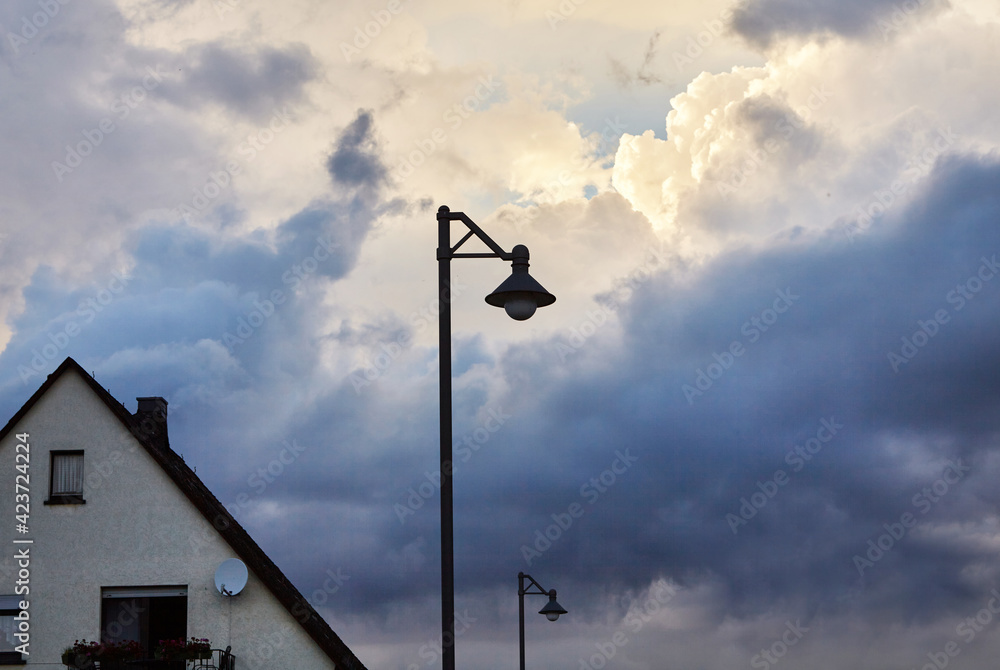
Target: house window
{"points": [[145, 614], [9, 609], [66, 480]]}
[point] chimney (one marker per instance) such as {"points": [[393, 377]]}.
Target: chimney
{"points": [[151, 420]]}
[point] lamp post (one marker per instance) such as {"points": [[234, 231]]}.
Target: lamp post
{"points": [[552, 609], [519, 295]]}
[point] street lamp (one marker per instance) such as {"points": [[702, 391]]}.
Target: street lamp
{"points": [[552, 609], [520, 295]]}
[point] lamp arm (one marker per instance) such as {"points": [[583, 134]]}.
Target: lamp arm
{"points": [[527, 591], [444, 215]]}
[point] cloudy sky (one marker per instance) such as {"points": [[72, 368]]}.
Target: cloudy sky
{"points": [[757, 428]]}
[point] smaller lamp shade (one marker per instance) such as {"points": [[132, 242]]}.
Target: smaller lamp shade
{"points": [[552, 609], [520, 295]]}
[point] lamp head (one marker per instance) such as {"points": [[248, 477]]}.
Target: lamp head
{"points": [[520, 295], [552, 609]]}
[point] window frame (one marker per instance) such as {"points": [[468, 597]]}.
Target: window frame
{"points": [[145, 601], [10, 607], [64, 498]]}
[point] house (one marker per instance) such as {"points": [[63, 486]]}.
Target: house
{"points": [[106, 533]]}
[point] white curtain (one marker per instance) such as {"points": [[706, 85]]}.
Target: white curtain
{"points": [[7, 630], [67, 474]]}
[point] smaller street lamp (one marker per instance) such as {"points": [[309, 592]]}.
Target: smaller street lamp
{"points": [[552, 609]]}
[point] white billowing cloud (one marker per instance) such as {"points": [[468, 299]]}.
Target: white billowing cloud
{"points": [[655, 174], [815, 133]]}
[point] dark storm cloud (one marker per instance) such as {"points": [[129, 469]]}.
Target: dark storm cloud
{"points": [[354, 161], [252, 83], [673, 470], [189, 285], [825, 358], [763, 21]]}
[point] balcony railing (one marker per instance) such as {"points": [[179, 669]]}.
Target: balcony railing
{"points": [[219, 659]]}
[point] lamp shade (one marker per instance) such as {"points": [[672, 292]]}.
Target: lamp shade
{"points": [[552, 609], [520, 295]]}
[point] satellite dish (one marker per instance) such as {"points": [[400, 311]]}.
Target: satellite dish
{"points": [[231, 577]]}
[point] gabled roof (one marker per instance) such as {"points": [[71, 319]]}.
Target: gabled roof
{"points": [[215, 513]]}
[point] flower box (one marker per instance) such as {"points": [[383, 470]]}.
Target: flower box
{"points": [[83, 655], [181, 649]]}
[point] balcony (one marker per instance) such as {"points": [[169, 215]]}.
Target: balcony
{"points": [[216, 659]]}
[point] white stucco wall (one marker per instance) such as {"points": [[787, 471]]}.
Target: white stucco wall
{"points": [[136, 529]]}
